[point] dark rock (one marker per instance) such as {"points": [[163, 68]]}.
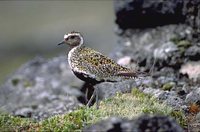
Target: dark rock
{"points": [[192, 13], [24, 112], [181, 92], [149, 34], [157, 123], [109, 89], [42, 88], [170, 98], [143, 123], [193, 53], [112, 124], [167, 55], [193, 96], [145, 13], [165, 51], [154, 47]]}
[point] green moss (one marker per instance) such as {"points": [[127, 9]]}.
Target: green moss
{"points": [[15, 81], [182, 44], [175, 39], [137, 103], [27, 84], [180, 117], [168, 86], [128, 105], [73, 121], [11, 123]]}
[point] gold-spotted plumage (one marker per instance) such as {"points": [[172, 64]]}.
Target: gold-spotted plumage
{"points": [[92, 66], [95, 65], [88, 64]]}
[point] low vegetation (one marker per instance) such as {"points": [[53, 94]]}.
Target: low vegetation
{"points": [[129, 105]]}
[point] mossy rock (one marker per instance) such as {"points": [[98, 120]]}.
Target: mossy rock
{"points": [[184, 43], [15, 81], [168, 86], [129, 105]]}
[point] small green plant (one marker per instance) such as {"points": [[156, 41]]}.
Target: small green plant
{"points": [[27, 84], [180, 117], [11, 123], [168, 86], [15, 81], [182, 44], [75, 120]]}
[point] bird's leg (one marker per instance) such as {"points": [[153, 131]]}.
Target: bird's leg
{"points": [[86, 95], [87, 90], [91, 98], [97, 97], [95, 93], [152, 68]]}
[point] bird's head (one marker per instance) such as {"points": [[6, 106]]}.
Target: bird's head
{"points": [[72, 39]]}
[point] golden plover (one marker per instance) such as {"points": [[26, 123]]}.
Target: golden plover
{"points": [[92, 66]]}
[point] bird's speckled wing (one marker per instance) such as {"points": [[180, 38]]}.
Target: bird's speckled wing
{"points": [[97, 65]]}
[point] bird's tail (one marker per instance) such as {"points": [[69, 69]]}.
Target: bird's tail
{"points": [[133, 74]]}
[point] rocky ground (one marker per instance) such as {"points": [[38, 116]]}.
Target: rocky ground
{"points": [[168, 50], [41, 88]]}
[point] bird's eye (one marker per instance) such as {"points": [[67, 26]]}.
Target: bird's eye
{"points": [[66, 39], [72, 37]]}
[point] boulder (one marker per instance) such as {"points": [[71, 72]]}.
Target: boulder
{"points": [[143, 123], [41, 88], [147, 14]]}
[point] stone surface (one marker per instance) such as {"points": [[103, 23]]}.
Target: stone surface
{"points": [[163, 38], [193, 96], [192, 69], [158, 47], [109, 89], [161, 50], [170, 98], [145, 13], [156, 123], [193, 53], [143, 123], [195, 124], [111, 124], [41, 88], [165, 51]]}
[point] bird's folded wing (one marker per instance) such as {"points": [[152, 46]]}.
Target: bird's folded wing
{"points": [[133, 74]]}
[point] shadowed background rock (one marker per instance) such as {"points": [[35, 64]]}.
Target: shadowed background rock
{"points": [[143, 123]]}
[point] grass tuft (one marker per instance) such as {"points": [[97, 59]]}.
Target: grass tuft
{"points": [[11, 123]]}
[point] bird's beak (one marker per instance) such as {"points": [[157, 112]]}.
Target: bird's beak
{"points": [[62, 42]]}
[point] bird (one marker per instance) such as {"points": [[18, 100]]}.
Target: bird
{"points": [[92, 66]]}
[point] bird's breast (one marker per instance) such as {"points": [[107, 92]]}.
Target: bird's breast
{"points": [[71, 56]]}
